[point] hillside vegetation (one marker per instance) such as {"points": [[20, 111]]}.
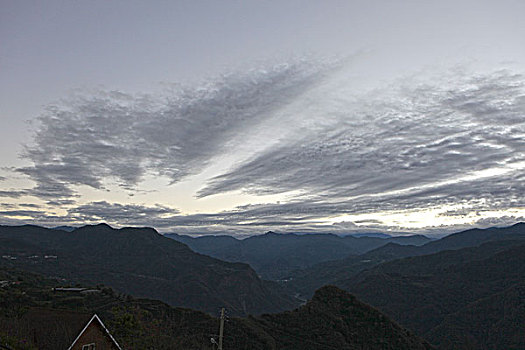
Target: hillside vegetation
{"points": [[435, 295], [39, 318]]}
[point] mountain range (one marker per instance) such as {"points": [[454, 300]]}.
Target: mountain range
{"points": [[141, 262], [463, 291], [306, 281], [432, 292], [275, 255]]}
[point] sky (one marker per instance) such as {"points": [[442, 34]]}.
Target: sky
{"points": [[239, 117]]}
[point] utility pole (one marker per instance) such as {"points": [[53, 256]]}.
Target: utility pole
{"points": [[221, 329]]}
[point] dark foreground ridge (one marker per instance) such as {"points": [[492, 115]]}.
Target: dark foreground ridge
{"points": [[469, 298], [34, 316], [464, 291], [335, 319]]}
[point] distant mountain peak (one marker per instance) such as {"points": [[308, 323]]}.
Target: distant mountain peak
{"points": [[370, 234], [103, 225], [329, 292], [140, 261]]}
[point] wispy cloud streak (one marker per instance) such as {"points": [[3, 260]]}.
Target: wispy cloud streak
{"points": [[115, 136], [411, 145]]}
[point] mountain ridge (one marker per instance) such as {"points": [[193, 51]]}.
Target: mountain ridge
{"points": [[306, 280], [142, 262], [274, 255], [420, 292]]}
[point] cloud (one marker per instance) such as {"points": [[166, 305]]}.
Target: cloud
{"points": [[94, 212], [29, 205], [59, 203], [242, 221], [16, 213], [113, 136], [13, 193], [500, 221], [424, 141], [411, 145], [121, 214]]}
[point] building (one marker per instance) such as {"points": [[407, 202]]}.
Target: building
{"points": [[95, 336]]}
